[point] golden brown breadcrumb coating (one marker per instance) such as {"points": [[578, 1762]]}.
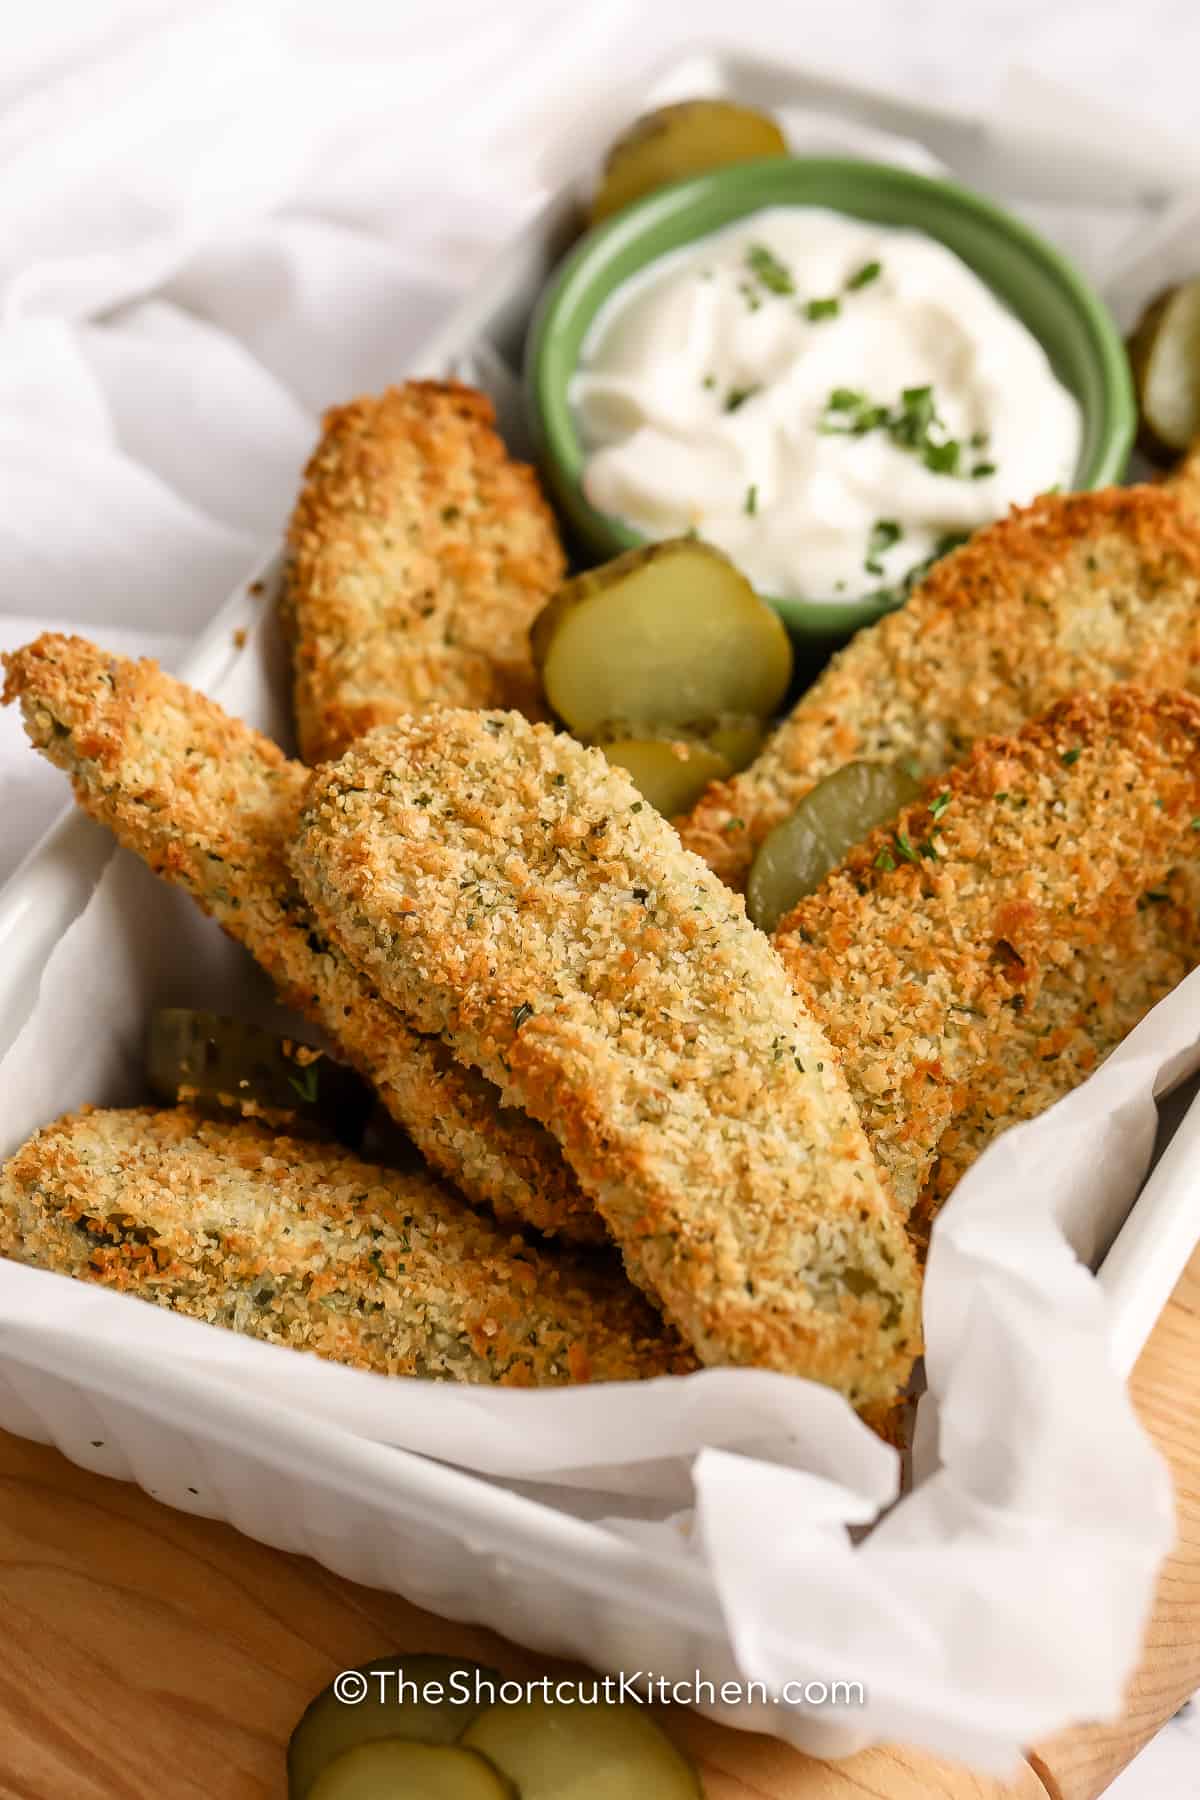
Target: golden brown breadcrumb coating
{"points": [[1082, 1011], [508, 887], [301, 1244], [1077, 591], [420, 554], [921, 949], [210, 805]]}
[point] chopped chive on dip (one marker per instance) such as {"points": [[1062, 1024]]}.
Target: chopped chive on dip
{"points": [[911, 422], [912, 425], [766, 268], [750, 505], [822, 309], [850, 414], [738, 397], [981, 470], [897, 595], [864, 277], [884, 533], [942, 459]]}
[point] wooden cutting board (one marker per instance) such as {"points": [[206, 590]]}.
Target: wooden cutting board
{"points": [[148, 1655]]}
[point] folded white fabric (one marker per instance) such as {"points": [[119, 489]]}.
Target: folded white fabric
{"points": [[215, 221]]}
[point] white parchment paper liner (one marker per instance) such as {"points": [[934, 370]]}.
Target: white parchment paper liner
{"points": [[1003, 1597]]}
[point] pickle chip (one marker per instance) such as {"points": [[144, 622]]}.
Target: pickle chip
{"points": [[670, 633], [671, 773], [738, 741], [393, 1767], [1164, 353], [417, 1699], [834, 816], [676, 141], [576, 1750], [224, 1066]]}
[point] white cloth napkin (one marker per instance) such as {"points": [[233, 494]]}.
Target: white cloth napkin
{"points": [[214, 222]]}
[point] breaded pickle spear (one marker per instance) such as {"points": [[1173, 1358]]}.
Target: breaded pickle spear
{"points": [[1077, 591], [508, 887], [301, 1244], [921, 953], [1082, 1012], [420, 555], [210, 804]]}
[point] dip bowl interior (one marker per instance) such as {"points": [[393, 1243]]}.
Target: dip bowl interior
{"points": [[1033, 280]]}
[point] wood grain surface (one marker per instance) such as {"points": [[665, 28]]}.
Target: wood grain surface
{"points": [[149, 1655], [1079, 1764]]}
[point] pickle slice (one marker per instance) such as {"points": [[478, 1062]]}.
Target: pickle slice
{"points": [[400, 1701], [573, 1750], [671, 773], [391, 1768], [680, 140], [670, 633], [834, 816], [738, 741], [225, 1066], [1164, 353]]}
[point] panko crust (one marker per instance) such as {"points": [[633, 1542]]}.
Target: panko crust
{"points": [[304, 1245], [922, 953], [1081, 1012], [210, 805], [420, 554], [1077, 591], [508, 887]]}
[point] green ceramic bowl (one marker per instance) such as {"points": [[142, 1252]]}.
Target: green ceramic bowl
{"points": [[1034, 281]]}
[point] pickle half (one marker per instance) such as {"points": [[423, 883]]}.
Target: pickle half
{"points": [[581, 1749], [667, 634], [671, 773], [1164, 354], [673, 142], [400, 1700], [397, 1769]]}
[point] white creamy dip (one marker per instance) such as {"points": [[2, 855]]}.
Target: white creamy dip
{"points": [[826, 400]]}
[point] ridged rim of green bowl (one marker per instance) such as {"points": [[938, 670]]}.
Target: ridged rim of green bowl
{"points": [[1040, 285]]}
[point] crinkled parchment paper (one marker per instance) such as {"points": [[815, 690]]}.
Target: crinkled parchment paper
{"points": [[999, 1599]]}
